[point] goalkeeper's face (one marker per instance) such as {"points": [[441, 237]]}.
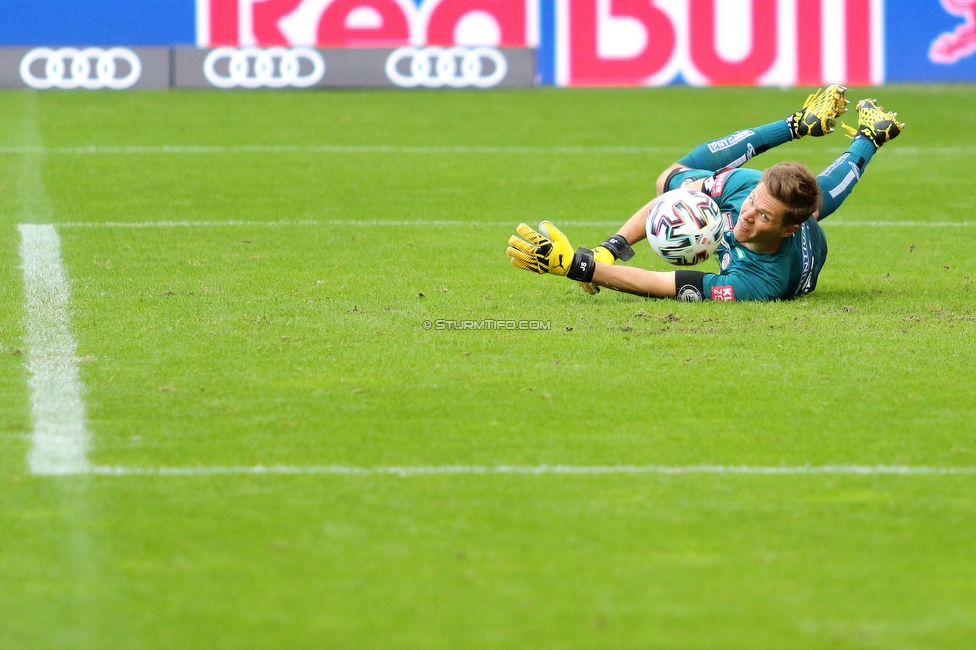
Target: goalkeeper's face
{"points": [[760, 226]]}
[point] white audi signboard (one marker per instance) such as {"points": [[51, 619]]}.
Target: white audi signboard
{"points": [[404, 67], [452, 67], [274, 67], [85, 68]]}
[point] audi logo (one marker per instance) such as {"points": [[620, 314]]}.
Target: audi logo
{"points": [[253, 67], [91, 68], [455, 67]]}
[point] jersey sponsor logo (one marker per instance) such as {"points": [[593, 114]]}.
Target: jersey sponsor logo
{"points": [[714, 185], [726, 261], [723, 293], [731, 141], [727, 221]]}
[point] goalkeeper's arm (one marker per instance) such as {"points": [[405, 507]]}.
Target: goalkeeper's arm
{"points": [[537, 253], [640, 282]]}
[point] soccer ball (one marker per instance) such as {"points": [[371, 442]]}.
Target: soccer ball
{"points": [[684, 226]]}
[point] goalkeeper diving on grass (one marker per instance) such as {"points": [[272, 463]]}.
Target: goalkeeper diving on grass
{"points": [[770, 247]]}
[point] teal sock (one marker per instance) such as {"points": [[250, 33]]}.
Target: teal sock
{"points": [[736, 149], [838, 180]]}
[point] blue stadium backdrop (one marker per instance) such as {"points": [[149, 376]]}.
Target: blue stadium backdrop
{"points": [[97, 22]]}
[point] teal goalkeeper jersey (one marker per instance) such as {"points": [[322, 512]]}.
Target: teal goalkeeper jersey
{"points": [[788, 273]]}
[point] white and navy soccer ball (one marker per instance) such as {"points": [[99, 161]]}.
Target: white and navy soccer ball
{"points": [[684, 226]]}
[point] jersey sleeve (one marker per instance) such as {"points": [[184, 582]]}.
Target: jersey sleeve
{"points": [[694, 286], [682, 177], [738, 286]]}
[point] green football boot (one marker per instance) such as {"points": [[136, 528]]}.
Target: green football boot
{"points": [[817, 117]]}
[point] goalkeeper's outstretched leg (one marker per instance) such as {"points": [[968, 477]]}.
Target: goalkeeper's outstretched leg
{"points": [[875, 126], [817, 117]]}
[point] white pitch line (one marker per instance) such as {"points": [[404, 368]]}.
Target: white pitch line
{"points": [[342, 149], [453, 223], [537, 470], [358, 223], [900, 224], [59, 442]]}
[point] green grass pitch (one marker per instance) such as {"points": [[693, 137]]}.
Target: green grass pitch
{"points": [[250, 275]]}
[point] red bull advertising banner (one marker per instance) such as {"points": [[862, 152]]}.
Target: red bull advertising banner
{"points": [[486, 43], [637, 42], [710, 42], [593, 42]]}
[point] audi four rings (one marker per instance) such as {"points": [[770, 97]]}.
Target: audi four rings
{"points": [[69, 68], [274, 67], [455, 67]]}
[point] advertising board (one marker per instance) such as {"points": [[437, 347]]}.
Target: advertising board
{"points": [[88, 68], [306, 67], [576, 42]]}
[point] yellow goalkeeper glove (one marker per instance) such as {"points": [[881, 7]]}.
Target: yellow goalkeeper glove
{"points": [[550, 252], [613, 249]]}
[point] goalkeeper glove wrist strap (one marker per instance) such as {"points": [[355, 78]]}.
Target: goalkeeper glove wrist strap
{"points": [[619, 247], [583, 266]]}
